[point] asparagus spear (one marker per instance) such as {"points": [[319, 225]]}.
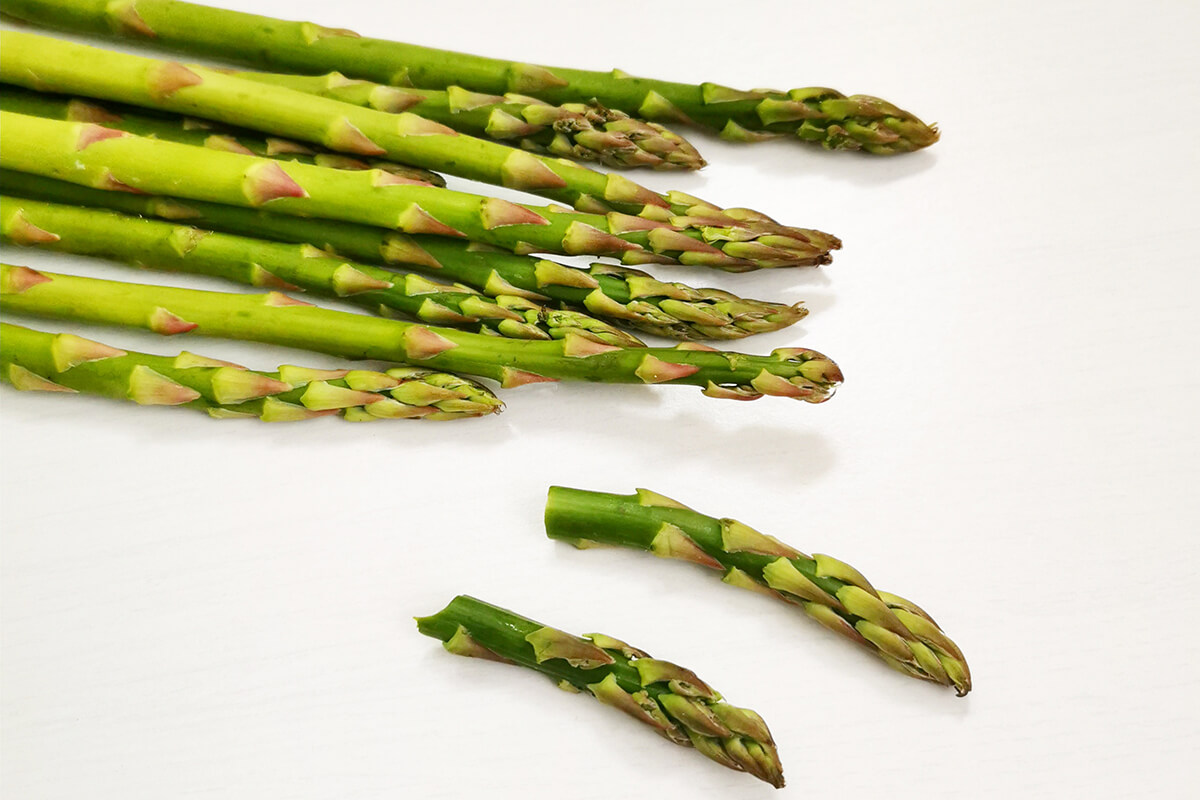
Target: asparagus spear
{"points": [[199, 132], [42, 63], [275, 318], [92, 155], [165, 245], [628, 296], [670, 699], [582, 131], [833, 593], [816, 115], [46, 362]]}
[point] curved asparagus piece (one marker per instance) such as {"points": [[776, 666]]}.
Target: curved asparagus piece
{"points": [[198, 132], [31, 360], [670, 699], [299, 267], [275, 318], [42, 63], [833, 593], [104, 158], [625, 295], [582, 131], [819, 115]]}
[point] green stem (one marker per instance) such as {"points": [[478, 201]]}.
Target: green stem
{"points": [[832, 592]]}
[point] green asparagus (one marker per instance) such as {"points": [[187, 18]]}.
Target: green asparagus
{"points": [[670, 699], [276, 318], [199, 132], [42, 63], [45, 362], [92, 155], [833, 593], [581, 131], [820, 115], [628, 296], [169, 246]]}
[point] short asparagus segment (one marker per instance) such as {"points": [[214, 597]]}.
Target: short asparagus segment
{"points": [[819, 115], [276, 318], [40, 63], [670, 699], [299, 267], [198, 132], [833, 593], [103, 158], [622, 294], [582, 131], [31, 360]]}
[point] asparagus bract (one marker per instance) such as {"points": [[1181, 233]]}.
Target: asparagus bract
{"points": [[275, 318], [582, 131], [42, 63], [670, 699], [170, 246], [820, 115], [623, 294], [103, 158], [833, 593], [198, 132], [31, 360]]}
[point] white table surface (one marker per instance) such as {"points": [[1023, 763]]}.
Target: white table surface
{"points": [[211, 610]]}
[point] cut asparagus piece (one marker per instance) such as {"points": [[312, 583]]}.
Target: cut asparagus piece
{"points": [[581, 131], [41, 63], [833, 593], [670, 699], [31, 360], [171, 246], [194, 131], [104, 158], [820, 115], [275, 318], [621, 294]]}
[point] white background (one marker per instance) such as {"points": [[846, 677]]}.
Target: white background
{"points": [[205, 609]]}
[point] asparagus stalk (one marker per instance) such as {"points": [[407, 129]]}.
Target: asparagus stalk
{"points": [[582, 131], [198, 132], [31, 360], [625, 295], [275, 318], [670, 699], [819, 115], [169, 246], [833, 593], [92, 155], [42, 63]]}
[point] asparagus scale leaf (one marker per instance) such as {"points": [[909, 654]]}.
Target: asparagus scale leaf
{"points": [[293, 267], [276, 318], [624, 295], [670, 699], [38, 62], [104, 158], [830, 591], [34, 361], [816, 114]]}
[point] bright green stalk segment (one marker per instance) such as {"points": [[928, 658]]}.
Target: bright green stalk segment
{"points": [[587, 132], [42, 63], [198, 132], [99, 157], [833, 593], [625, 295], [277, 319], [669, 698], [816, 115], [254, 262], [31, 360]]}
